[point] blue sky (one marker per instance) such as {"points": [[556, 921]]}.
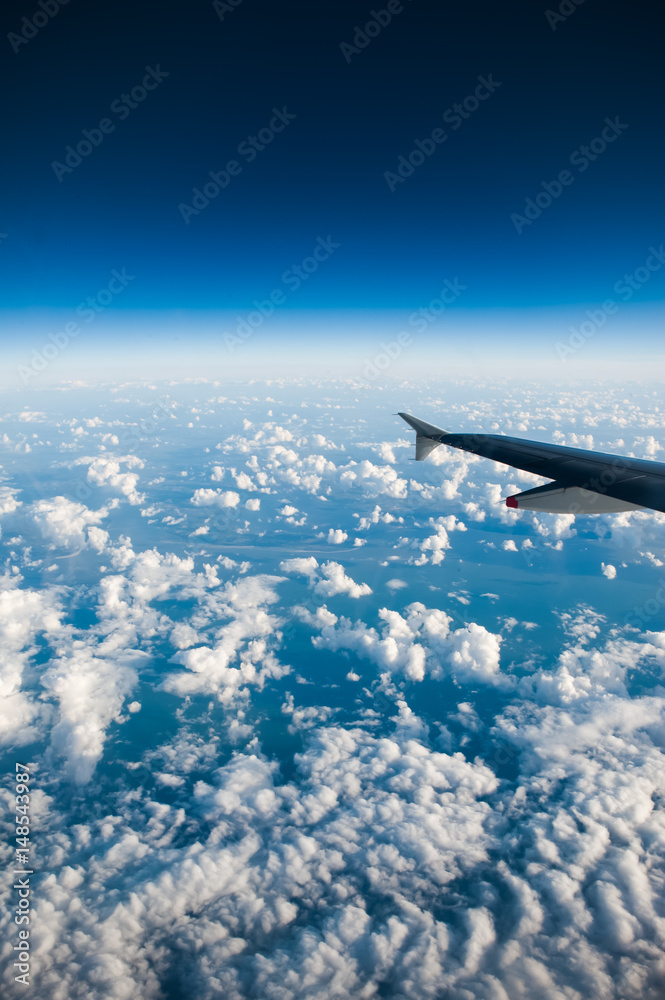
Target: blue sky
{"points": [[318, 135]]}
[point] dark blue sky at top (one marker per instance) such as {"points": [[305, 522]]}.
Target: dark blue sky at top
{"points": [[324, 174]]}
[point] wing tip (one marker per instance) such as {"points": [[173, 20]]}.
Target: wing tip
{"points": [[428, 436]]}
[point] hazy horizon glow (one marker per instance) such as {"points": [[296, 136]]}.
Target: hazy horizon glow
{"points": [[568, 342]]}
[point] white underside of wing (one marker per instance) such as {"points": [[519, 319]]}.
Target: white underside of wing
{"points": [[570, 500]]}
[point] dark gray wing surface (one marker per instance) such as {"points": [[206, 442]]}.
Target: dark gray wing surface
{"points": [[631, 480]]}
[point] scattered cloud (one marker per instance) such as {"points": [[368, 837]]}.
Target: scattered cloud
{"points": [[326, 579]]}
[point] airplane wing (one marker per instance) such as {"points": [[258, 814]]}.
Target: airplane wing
{"points": [[585, 482]]}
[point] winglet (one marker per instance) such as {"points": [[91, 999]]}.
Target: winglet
{"points": [[428, 436]]}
